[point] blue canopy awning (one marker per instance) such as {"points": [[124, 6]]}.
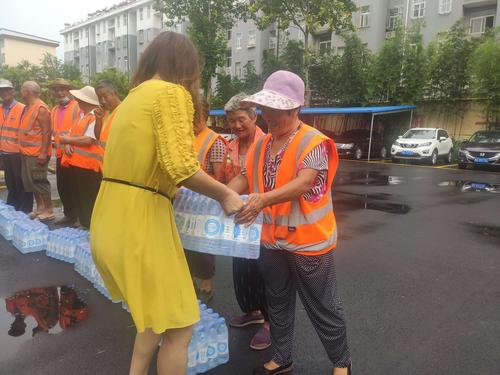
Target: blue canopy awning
{"points": [[339, 111]]}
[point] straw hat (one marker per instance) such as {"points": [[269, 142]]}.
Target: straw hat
{"points": [[86, 94], [61, 82], [283, 90]]}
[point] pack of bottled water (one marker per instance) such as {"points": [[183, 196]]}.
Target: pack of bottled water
{"points": [[209, 345], [62, 243], [8, 216], [204, 227], [29, 236]]}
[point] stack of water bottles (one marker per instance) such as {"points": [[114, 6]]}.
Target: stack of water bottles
{"points": [[209, 345], [62, 243], [8, 216], [29, 236], [204, 227]]}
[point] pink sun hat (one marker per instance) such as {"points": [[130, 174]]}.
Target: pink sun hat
{"points": [[283, 90]]}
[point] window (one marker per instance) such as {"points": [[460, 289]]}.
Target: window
{"points": [[442, 133], [251, 63], [148, 9], [238, 40], [141, 14], [228, 58], [81, 34], [141, 36], [395, 15], [86, 33], [365, 16], [66, 39], [237, 68], [124, 20], [445, 6], [229, 35], [479, 25], [124, 41], [272, 40], [418, 9], [251, 38], [117, 42], [325, 47]]}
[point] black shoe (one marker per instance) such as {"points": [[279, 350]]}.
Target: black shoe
{"points": [[287, 369]]}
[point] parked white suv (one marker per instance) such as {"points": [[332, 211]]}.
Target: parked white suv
{"points": [[428, 144]]}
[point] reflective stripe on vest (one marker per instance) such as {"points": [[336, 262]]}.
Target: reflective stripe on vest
{"points": [[205, 146], [314, 229], [103, 137], [71, 117], [88, 154], [9, 128], [30, 131]]}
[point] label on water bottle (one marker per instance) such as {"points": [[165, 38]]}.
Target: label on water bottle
{"points": [[254, 234], [222, 348], [212, 227], [211, 352]]}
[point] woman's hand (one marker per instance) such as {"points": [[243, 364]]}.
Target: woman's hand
{"points": [[232, 203], [252, 208]]}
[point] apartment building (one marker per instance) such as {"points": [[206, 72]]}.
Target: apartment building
{"points": [[16, 47], [375, 21], [113, 37]]}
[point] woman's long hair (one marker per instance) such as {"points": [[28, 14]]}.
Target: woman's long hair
{"points": [[174, 57]]}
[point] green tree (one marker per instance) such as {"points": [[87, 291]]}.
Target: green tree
{"points": [[398, 72], [309, 16], [292, 57], [252, 82], [353, 72], [484, 71], [209, 23], [225, 88], [270, 63], [448, 58], [324, 77], [118, 78]]}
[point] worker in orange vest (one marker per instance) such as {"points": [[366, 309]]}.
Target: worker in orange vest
{"points": [[211, 149], [10, 119], [289, 174], [109, 100], [64, 115], [82, 156], [36, 149]]}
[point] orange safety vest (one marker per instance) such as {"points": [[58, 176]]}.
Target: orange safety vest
{"points": [[87, 157], [71, 116], [103, 137], [30, 130], [307, 228], [202, 144], [9, 131]]}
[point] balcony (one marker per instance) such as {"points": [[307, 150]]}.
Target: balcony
{"points": [[479, 3]]}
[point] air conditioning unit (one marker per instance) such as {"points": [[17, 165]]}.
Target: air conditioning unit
{"points": [[390, 34]]}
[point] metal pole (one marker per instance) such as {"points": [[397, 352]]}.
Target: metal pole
{"points": [[411, 118], [371, 133]]}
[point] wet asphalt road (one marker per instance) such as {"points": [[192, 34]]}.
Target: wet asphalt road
{"points": [[418, 270]]}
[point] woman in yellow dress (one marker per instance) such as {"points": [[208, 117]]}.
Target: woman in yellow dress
{"points": [[134, 240]]}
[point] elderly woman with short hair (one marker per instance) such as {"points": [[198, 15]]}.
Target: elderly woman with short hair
{"points": [[248, 283], [289, 174]]}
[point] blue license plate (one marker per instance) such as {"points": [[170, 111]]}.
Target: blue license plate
{"points": [[481, 160], [407, 153], [478, 186]]}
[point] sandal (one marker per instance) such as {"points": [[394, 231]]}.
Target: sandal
{"points": [[246, 320], [287, 369], [261, 340], [45, 219]]}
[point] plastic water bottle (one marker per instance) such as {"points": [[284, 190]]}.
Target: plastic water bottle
{"points": [[213, 226], [212, 342], [201, 346], [192, 355], [222, 342]]}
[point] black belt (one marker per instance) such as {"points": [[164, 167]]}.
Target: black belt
{"points": [[139, 186]]}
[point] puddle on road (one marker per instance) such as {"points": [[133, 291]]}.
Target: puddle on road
{"points": [[466, 186], [367, 178], [377, 202], [38, 311], [489, 231]]}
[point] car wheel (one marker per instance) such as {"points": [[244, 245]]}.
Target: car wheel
{"points": [[358, 153], [462, 166], [383, 153], [449, 157], [434, 158]]}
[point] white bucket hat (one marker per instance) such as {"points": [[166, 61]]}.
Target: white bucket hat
{"points": [[86, 94]]}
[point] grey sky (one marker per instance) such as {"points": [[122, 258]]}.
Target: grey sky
{"points": [[45, 18]]}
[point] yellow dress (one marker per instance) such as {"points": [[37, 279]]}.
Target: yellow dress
{"points": [[134, 240]]}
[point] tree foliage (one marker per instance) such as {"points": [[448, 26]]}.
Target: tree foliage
{"points": [[309, 16], [120, 80], [484, 71], [209, 23]]}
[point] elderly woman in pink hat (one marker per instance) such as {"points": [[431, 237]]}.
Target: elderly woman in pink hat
{"points": [[289, 174]]}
